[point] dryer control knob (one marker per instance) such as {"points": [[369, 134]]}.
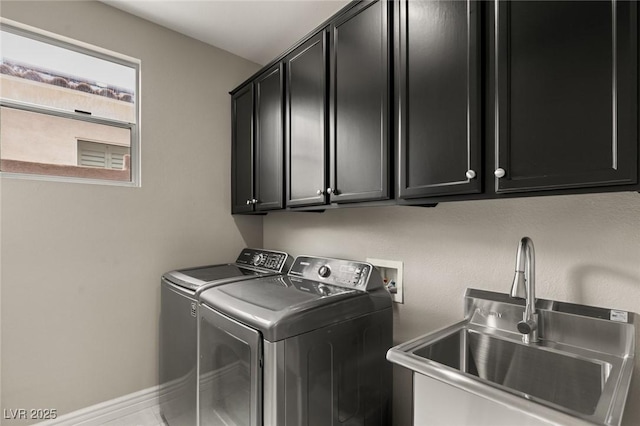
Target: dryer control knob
{"points": [[324, 290], [258, 259], [324, 271]]}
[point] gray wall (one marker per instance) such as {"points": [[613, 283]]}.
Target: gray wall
{"points": [[587, 251], [81, 263]]}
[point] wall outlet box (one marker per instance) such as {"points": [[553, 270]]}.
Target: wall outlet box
{"points": [[391, 272]]}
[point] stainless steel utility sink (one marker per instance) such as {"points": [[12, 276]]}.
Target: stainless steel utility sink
{"points": [[580, 369], [570, 382]]}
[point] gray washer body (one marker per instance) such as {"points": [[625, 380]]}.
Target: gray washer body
{"points": [[178, 325]]}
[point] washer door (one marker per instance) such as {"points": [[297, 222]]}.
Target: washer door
{"points": [[229, 371]]}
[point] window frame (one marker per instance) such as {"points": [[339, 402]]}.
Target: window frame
{"points": [[97, 52]]}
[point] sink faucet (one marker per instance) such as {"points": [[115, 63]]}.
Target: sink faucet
{"points": [[524, 287]]}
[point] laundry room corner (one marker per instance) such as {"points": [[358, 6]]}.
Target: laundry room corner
{"points": [[319, 212]]}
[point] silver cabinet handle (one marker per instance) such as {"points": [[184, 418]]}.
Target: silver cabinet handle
{"points": [[254, 201], [471, 174], [499, 173], [319, 192], [329, 191], [248, 202]]}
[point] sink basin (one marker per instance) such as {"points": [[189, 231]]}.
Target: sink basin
{"points": [[542, 374], [579, 372]]}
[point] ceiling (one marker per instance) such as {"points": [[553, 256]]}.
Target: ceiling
{"points": [[257, 30]]}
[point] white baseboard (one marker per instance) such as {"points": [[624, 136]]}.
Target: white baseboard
{"points": [[110, 410], [116, 408]]}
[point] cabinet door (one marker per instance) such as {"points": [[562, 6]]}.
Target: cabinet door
{"points": [[359, 104], [242, 150], [565, 94], [306, 123], [438, 110], [269, 143]]}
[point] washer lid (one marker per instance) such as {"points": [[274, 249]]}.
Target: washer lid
{"points": [[194, 278], [282, 307], [251, 263]]}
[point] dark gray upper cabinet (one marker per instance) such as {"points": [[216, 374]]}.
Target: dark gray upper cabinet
{"points": [[438, 83], [306, 123], [269, 140], [257, 145], [565, 94], [242, 150], [433, 100], [360, 80]]}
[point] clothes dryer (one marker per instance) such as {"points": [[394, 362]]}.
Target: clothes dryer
{"points": [[307, 348]]}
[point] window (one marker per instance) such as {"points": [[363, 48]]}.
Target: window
{"points": [[68, 111]]}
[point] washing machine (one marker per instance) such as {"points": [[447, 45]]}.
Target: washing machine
{"points": [[178, 325], [306, 348]]}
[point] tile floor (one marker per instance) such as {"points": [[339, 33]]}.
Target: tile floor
{"points": [[147, 417]]}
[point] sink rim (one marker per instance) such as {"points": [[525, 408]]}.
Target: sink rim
{"points": [[604, 413]]}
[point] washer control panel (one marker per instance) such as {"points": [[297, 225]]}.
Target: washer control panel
{"points": [[337, 272], [264, 259]]}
